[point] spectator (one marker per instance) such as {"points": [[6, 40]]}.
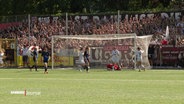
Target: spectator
{"points": [[43, 29]]}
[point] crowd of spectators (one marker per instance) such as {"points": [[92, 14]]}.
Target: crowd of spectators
{"points": [[42, 29]]}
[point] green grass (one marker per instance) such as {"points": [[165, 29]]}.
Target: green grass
{"points": [[95, 87]]}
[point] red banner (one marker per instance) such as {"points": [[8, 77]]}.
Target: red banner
{"points": [[170, 53]]}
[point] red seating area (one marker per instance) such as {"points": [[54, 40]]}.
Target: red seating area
{"points": [[8, 25]]}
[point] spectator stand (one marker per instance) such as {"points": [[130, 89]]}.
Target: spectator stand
{"points": [[43, 27]]}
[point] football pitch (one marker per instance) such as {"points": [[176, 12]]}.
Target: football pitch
{"points": [[20, 86]]}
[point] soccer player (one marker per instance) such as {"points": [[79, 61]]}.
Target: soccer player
{"points": [[45, 58], [151, 54], [25, 56], [115, 57], [82, 63], [138, 55], [35, 59], [86, 58], [1, 58]]}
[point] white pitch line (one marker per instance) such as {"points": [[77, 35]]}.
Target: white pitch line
{"points": [[123, 80]]}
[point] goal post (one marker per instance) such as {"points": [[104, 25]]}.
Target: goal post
{"points": [[65, 48]]}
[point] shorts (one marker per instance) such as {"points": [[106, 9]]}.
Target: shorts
{"points": [[25, 58], [139, 63], [86, 60], [45, 60], [81, 62], [115, 60]]}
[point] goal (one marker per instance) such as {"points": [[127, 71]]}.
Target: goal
{"points": [[65, 49]]}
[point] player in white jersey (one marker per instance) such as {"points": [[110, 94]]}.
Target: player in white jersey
{"points": [[25, 56], [82, 63], [1, 58], [138, 55], [115, 57]]}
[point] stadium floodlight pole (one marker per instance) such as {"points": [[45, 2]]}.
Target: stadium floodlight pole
{"points": [[67, 29], [118, 25], [118, 21], [52, 53], [135, 47], [29, 28], [66, 23]]}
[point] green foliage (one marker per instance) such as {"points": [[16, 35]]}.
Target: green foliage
{"points": [[16, 7]]}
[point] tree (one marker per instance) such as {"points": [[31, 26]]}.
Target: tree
{"points": [[5, 7], [165, 3], [16, 7]]}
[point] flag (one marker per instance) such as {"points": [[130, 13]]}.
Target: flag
{"points": [[167, 33]]}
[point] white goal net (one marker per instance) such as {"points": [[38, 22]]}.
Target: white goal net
{"points": [[65, 49]]}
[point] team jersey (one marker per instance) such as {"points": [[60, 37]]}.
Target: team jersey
{"points": [[81, 57], [45, 55], [138, 55], [115, 53], [35, 55], [24, 51], [86, 54], [1, 57], [86, 57], [115, 56]]}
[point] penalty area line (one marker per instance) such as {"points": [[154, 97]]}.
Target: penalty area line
{"points": [[95, 79]]}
